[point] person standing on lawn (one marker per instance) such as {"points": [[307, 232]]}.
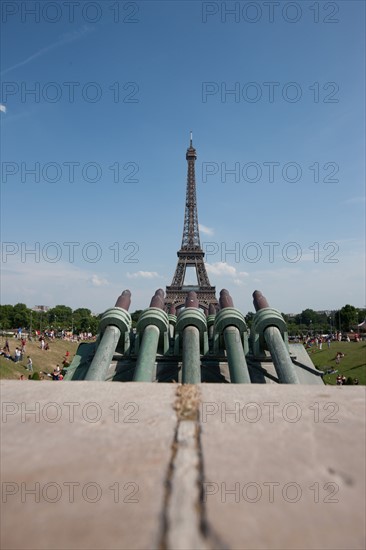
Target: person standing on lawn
{"points": [[30, 364]]}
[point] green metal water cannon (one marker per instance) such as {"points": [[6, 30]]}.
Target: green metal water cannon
{"points": [[269, 331], [152, 337], [114, 328], [230, 332], [192, 339]]}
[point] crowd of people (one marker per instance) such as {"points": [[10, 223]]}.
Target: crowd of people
{"points": [[44, 338], [318, 340], [64, 335], [52, 334], [19, 352]]}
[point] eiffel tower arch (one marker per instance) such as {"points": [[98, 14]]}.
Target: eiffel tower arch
{"points": [[191, 253]]}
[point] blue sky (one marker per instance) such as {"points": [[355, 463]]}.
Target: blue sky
{"points": [[125, 94]]}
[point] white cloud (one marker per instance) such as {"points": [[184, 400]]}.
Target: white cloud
{"points": [[143, 275], [205, 230], [221, 269], [2, 108], [98, 281], [55, 283], [239, 282]]}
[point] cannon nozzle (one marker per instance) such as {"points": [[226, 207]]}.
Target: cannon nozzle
{"points": [[192, 300], [158, 299], [172, 309], [211, 309], [225, 299], [124, 301], [259, 300]]}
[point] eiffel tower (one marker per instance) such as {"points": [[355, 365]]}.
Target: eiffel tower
{"points": [[191, 253]]}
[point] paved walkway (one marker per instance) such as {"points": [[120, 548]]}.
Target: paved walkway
{"points": [[89, 465]]}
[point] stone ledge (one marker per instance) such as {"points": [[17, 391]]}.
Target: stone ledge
{"points": [[113, 453]]}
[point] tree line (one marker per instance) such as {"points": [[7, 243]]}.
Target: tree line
{"points": [[63, 317], [345, 319], [57, 318]]}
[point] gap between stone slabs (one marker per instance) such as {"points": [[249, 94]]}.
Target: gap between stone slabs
{"points": [[184, 522]]}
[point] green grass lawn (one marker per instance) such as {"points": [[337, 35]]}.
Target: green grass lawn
{"points": [[352, 364], [44, 361]]}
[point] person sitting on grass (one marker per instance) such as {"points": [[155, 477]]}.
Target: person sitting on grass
{"points": [[5, 353], [56, 373]]}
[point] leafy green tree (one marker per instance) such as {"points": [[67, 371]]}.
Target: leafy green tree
{"points": [[83, 324], [349, 317], [6, 317], [94, 324], [21, 316], [60, 316], [82, 312], [293, 328], [135, 317], [84, 321], [308, 317]]}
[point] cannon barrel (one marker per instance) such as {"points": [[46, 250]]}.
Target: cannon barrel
{"points": [[158, 299], [259, 300], [124, 301], [238, 367], [280, 356], [191, 323], [191, 362], [114, 322], [152, 324], [225, 299]]}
